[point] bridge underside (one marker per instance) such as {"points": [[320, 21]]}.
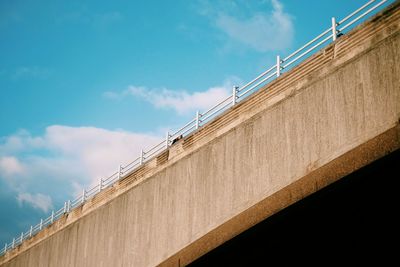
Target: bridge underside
{"points": [[352, 219]]}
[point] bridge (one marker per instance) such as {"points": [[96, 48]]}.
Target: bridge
{"points": [[333, 115]]}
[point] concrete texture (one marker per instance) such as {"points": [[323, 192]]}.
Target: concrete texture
{"points": [[331, 115]]}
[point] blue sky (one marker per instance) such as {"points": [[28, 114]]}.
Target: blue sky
{"points": [[84, 85]]}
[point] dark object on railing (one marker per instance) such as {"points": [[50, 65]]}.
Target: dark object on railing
{"points": [[177, 139]]}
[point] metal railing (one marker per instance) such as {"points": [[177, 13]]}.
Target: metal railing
{"points": [[238, 94]]}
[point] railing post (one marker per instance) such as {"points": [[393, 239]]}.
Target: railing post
{"points": [[167, 140], [52, 216], [83, 196], [334, 31], [22, 236], [65, 206], [5, 248], [234, 94], [30, 231], [41, 224], [13, 243], [68, 205], [278, 66], [101, 184], [197, 119], [141, 156], [119, 171]]}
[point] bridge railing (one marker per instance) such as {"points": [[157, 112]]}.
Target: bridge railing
{"points": [[336, 29]]}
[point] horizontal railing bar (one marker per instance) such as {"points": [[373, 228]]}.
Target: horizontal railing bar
{"points": [[132, 162], [229, 98], [46, 220], [257, 78], [307, 44], [128, 170], [356, 11], [77, 199], [220, 110], [205, 119], [182, 128], [91, 193], [307, 51], [88, 196], [157, 151], [154, 147], [110, 177], [60, 210], [208, 116], [362, 15], [92, 189], [260, 82], [189, 130], [107, 184], [76, 203]]}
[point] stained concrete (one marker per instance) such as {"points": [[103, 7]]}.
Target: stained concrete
{"points": [[334, 113]]}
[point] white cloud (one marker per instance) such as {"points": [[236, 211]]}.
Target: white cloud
{"points": [[37, 201], [100, 151], [263, 31], [10, 166], [181, 101], [65, 159]]}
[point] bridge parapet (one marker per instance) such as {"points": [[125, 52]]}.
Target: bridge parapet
{"points": [[332, 114]]}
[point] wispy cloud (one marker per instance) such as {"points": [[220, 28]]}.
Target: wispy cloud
{"points": [[181, 101], [19, 141], [37, 201], [261, 31]]}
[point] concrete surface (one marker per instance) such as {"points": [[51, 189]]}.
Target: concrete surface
{"points": [[334, 113]]}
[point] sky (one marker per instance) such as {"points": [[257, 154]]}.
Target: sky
{"points": [[84, 85]]}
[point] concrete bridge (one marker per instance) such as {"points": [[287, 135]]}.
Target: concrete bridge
{"points": [[326, 118]]}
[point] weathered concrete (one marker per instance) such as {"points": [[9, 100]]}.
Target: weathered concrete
{"points": [[331, 115]]}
